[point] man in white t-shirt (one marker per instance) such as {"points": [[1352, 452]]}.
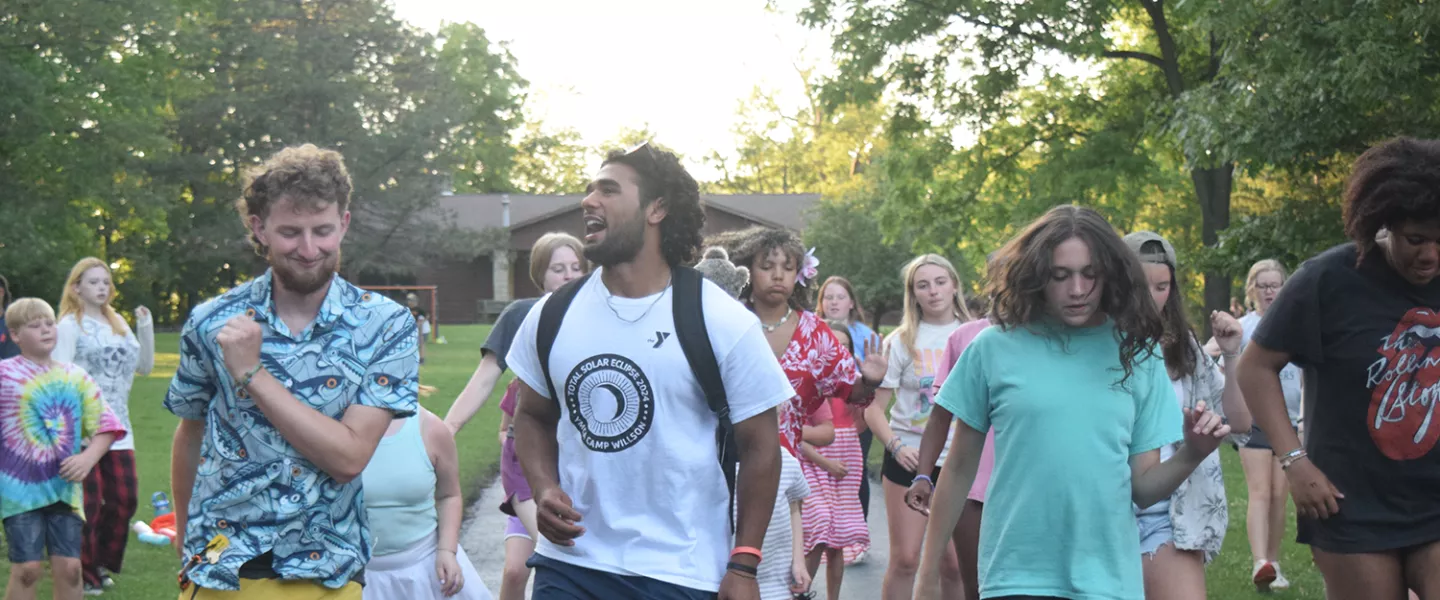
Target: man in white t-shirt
{"points": [[631, 499]]}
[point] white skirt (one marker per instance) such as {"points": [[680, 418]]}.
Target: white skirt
{"points": [[410, 575]]}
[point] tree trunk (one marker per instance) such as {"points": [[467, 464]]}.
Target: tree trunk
{"points": [[1212, 189]]}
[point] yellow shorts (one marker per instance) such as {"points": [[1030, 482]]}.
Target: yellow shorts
{"points": [[276, 589]]}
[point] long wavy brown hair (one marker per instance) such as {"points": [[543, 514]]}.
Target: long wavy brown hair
{"points": [[1023, 267]]}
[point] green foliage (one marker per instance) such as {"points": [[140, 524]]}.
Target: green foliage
{"points": [[126, 128], [1138, 107], [848, 242], [550, 163], [1288, 216]]}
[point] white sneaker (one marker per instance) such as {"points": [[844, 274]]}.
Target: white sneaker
{"points": [[1280, 583], [1263, 576], [859, 558]]}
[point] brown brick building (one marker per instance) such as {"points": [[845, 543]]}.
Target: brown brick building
{"points": [[474, 291]]}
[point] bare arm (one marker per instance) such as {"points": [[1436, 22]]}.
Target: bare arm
{"points": [[1152, 480], [875, 417], [757, 483], [340, 448], [819, 435], [448, 506], [932, 442], [476, 392], [184, 461], [1259, 376], [1236, 412], [949, 501], [535, 445]]}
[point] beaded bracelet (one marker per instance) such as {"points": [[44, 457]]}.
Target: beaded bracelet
{"points": [[249, 376]]}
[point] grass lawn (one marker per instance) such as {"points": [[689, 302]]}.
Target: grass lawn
{"points": [[150, 570], [1228, 577]]}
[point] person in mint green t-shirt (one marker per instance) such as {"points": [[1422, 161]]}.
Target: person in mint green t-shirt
{"points": [[1081, 404]]}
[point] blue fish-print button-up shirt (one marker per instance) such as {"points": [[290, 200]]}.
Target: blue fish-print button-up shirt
{"points": [[252, 486]]}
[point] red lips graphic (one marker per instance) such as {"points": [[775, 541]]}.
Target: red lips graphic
{"points": [[1406, 384]]}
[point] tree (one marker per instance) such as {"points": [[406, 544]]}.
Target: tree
{"points": [[811, 148], [408, 110], [78, 125], [848, 242], [550, 162], [1185, 69]]}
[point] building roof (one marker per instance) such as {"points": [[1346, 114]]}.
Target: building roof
{"points": [[478, 212]]}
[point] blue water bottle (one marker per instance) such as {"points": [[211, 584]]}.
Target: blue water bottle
{"points": [[161, 503]]}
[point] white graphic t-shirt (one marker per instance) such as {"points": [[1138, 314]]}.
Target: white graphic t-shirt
{"points": [[112, 360], [1289, 376], [636, 437], [913, 379]]}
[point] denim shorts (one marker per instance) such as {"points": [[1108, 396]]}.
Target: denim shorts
{"points": [[55, 527], [1155, 528]]}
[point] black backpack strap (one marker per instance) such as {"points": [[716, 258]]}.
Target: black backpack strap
{"points": [[689, 287], [689, 311], [551, 316]]}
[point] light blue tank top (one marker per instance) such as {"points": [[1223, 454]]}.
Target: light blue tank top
{"points": [[399, 486]]}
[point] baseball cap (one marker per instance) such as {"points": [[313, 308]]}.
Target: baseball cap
{"points": [[1140, 239]]}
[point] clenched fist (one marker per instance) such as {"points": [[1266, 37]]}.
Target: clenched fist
{"points": [[240, 342]]}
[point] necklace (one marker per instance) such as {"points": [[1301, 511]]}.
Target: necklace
{"points": [[609, 296], [771, 328]]}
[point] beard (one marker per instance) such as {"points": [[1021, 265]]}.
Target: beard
{"points": [[304, 281], [621, 244]]}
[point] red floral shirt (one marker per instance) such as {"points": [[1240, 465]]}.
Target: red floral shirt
{"points": [[819, 367]]}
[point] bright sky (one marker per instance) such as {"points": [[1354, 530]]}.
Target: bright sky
{"points": [[680, 66]]}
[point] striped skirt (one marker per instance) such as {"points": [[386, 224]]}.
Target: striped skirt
{"points": [[831, 514]]}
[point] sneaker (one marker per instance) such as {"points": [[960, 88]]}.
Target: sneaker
{"points": [[1281, 583], [859, 558], [1264, 575], [107, 581], [92, 590]]}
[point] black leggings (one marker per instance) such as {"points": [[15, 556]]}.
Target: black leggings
{"points": [[865, 438]]}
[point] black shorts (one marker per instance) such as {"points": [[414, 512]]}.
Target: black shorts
{"points": [[901, 476], [1259, 441]]}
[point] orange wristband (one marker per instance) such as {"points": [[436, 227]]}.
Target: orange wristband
{"points": [[747, 550]]}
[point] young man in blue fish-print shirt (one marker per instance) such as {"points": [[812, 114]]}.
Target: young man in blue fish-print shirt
{"points": [[285, 386]]}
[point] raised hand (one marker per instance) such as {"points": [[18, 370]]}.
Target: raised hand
{"points": [[1227, 331], [876, 363], [240, 342], [1204, 429]]}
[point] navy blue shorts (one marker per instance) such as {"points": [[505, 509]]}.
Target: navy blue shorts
{"points": [[55, 528], [555, 580]]}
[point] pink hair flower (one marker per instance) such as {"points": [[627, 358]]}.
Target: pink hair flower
{"points": [[809, 270]]}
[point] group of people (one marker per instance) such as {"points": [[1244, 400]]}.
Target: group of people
{"points": [[686, 425]]}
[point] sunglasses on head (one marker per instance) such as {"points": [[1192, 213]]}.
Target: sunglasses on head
{"points": [[641, 147]]}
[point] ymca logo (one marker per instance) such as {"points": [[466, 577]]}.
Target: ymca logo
{"points": [[659, 339]]}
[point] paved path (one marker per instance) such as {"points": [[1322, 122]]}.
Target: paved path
{"points": [[484, 532]]}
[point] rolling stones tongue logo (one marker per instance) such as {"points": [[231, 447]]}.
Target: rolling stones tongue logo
{"points": [[1405, 385]]}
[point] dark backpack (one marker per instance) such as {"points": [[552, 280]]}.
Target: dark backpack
{"points": [[686, 287]]}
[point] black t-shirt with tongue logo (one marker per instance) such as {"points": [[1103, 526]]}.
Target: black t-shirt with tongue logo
{"points": [[1369, 342]]}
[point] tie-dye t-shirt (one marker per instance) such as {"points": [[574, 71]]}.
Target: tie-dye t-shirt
{"points": [[912, 376], [44, 415]]}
